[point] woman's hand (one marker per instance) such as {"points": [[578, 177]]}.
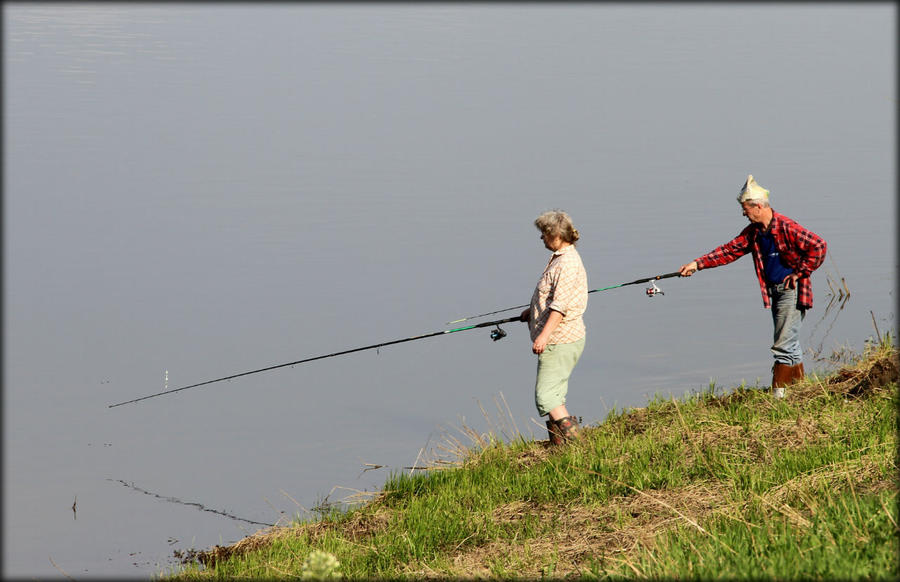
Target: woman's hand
{"points": [[540, 342]]}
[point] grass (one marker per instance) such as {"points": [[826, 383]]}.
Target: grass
{"points": [[731, 485]]}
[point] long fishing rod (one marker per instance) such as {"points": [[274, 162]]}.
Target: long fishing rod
{"points": [[650, 292], [496, 334]]}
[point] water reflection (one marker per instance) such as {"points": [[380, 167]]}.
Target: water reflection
{"points": [[839, 295], [195, 504]]}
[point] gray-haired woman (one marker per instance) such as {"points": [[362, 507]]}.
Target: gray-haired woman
{"points": [[555, 322]]}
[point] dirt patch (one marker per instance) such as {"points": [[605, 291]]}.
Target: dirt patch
{"points": [[872, 376], [363, 524], [636, 421], [867, 380], [258, 540], [794, 434], [534, 455]]}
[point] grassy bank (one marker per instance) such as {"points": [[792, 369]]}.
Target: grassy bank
{"points": [[712, 485]]}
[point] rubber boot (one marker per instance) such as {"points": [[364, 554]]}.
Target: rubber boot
{"points": [[797, 373], [556, 437], [782, 375], [568, 427]]}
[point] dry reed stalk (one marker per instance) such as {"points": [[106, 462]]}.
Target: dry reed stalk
{"points": [[793, 516], [64, 573], [863, 469], [510, 414], [663, 503]]}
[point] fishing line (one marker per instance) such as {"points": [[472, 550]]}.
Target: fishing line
{"points": [[650, 293], [496, 334]]}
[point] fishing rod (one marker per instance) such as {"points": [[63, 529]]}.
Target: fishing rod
{"points": [[496, 334], [651, 291]]}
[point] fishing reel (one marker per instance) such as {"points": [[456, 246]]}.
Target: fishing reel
{"points": [[497, 334], [653, 290]]}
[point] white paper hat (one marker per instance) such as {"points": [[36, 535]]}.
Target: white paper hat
{"points": [[752, 191]]}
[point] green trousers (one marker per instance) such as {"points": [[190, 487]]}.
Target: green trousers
{"points": [[554, 367]]}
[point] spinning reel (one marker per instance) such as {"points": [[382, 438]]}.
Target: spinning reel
{"points": [[653, 290], [497, 334]]}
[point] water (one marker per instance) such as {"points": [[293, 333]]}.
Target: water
{"points": [[197, 190]]}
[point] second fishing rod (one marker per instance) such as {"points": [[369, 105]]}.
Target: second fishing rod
{"points": [[496, 334], [651, 291]]}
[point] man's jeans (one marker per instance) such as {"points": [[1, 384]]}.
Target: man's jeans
{"points": [[787, 318]]}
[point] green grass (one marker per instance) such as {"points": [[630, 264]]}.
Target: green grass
{"points": [[732, 485]]}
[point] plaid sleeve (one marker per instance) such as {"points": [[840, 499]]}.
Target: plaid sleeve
{"points": [[728, 252]]}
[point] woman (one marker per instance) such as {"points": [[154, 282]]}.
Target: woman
{"points": [[555, 322]]}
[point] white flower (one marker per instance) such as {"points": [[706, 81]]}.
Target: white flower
{"points": [[320, 565]]}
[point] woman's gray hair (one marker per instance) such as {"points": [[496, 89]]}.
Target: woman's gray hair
{"points": [[557, 223]]}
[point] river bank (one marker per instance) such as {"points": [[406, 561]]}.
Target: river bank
{"points": [[718, 484]]}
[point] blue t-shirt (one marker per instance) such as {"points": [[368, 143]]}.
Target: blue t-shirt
{"points": [[774, 269]]}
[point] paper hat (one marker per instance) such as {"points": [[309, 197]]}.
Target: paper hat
{"points": [[752, 191]]}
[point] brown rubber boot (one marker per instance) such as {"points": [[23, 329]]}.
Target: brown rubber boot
{"points": [[782, 375], [556, 437], [797, 373], [569, 428]]}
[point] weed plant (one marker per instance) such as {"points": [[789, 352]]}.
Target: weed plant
{"points": [[731, 485]]}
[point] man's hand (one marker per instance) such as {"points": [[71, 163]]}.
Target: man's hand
{"points": [[525, 314], [688, 269], [790, 282]]}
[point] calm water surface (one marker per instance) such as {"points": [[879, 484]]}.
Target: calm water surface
{"points": [[197, 190]]}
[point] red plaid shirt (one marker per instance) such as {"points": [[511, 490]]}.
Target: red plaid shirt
{"points": [[801, 250]]}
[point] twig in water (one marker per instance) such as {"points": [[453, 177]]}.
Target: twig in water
{"points": [[416, 462], [840, 295], [877, 334], [60, 569], [283, 492], [275, 509]]}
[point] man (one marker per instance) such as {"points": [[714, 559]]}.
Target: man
{"points": [[784, 254]]}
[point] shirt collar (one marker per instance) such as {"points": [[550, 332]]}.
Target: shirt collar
{"points": [[774, 222], [564, 250]]}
